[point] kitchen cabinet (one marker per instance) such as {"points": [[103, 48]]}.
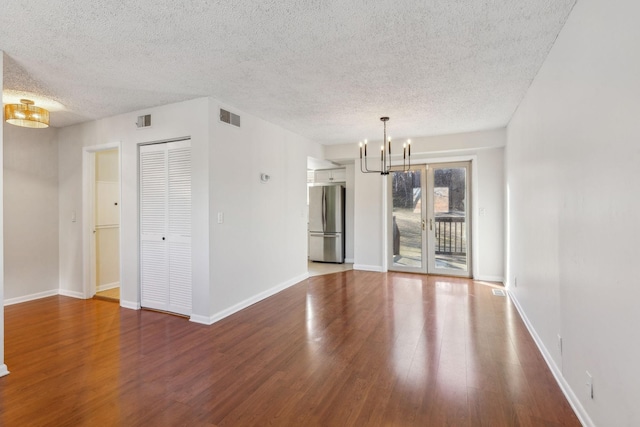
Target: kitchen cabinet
{"points": [[330, 176]]}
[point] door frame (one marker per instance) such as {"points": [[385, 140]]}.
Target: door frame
{"points": [[472, 210], [88, 215]]}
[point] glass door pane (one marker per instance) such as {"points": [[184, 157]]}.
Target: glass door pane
{"points": [[408, 238], [449, 219]]}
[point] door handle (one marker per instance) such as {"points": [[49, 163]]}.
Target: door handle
{"points": [[324, 210], [431, 224], [423, 225]]}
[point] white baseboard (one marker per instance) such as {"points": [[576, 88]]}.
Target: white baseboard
{"points": [[31, 297], [557, 373], [204, 320], [490, 279], [348, 260], [365, 267], [209, 320], [108, 286], [3, 370], [131, 305], [72, 294]]}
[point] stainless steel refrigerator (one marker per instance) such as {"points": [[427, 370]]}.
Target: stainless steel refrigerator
{"points": [[326, 223]]}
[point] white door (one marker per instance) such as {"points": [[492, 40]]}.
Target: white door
{"points": [[165, 226]]}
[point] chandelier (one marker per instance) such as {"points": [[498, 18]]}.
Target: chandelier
{"points": [[26, 114], [385, 155]]}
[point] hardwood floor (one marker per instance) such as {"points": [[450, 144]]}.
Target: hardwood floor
{"points": [[346, 349]]}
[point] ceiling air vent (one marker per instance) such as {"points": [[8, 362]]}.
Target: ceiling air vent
{"points": [[144, 121], [228, 117]]}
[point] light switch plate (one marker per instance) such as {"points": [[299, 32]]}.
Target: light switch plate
{"points": [[589, 384]]}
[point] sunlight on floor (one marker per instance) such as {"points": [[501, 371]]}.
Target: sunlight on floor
{"points": [[113, 293], [320, 268]]}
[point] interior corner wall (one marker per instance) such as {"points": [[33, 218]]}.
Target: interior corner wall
{"points": [[30, 213], [315, 150], [571, 172], [184, 119], [260, 245]]}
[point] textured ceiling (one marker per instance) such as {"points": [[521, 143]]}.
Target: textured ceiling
{"points": [[325, 69]]}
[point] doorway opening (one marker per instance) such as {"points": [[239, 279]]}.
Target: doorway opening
{"points": [[107, 224], [429, 230], [101, 222]]}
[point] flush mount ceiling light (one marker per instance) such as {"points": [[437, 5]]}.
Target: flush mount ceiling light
{"points": [[385, 155], [26, 115]]}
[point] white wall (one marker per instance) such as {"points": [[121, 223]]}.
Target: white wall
{"points": [[488, 210], [185, 119], [427, 145], [368, 222], [571, 171], [484, 149], [30, 213], [262, 245]]}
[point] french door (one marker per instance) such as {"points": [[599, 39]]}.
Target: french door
{"points": [[408, 238], [429, 216]]}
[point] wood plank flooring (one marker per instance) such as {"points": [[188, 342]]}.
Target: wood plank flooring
{"points": [[346, 349]]}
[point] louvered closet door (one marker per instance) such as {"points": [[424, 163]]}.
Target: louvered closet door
{"points": [[179, 226], [165, 227]]}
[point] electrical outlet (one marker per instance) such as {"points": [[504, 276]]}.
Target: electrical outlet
{"points": [[589, 384], [560, 343], [220, 217]]}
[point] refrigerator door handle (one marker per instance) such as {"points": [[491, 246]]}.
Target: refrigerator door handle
{"points": [[324, 209]]}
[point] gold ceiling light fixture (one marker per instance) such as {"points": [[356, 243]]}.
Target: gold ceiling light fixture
{"points": [[26, 115]]}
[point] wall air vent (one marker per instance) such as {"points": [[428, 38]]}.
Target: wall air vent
{"points": [[230, 118], [144, 121]]}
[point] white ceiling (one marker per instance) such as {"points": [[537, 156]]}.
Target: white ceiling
{"points": [[326, 69]]}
